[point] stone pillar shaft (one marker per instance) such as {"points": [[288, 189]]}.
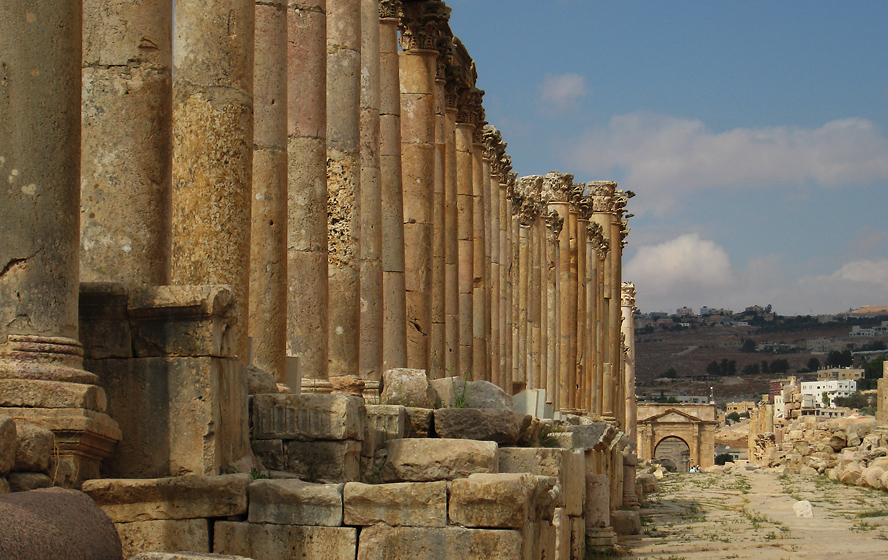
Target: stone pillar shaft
{"points": [[583, 368], [268, 255], [572, 308], [438, 333], [125, 211], [537, 291], [466, 246], [213, 147], [628, 329], [451, 232], [394, 335], [480, 285], [496, 319], [307, 186]]}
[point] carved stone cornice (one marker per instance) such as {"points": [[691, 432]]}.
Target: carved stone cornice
{"points": [[627, 295], [423, 25], [554, 223], [388, 9], [602, 193], [557, 186]]}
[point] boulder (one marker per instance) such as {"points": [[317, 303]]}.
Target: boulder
{"points": [[407, 387], [850, 473], [808, 471], [803, 508], [34, 450], [872, 476], [260, 381], [625, 522], [837, 442], [648, 483], [24, 481], [502, 426]]}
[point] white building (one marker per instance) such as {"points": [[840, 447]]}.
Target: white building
{"points": [[832, 387]]}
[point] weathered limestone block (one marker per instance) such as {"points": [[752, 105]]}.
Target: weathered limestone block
{"points": [[200, 320], [384, 423], [179, 415], [456, 392], [185, 556], [577, 537], [164, 535], [8, 444], [307, 417], [56, 523], [597, 436], [271, 453], [324, 461], [850, 473], [871, 477], [567, 466], [104, 326], [506, 500], [51, 394], [263, 541], [184, 497], [407, 387], [406, 504], [648, 483], [260, 381], [502, 426], [420, 422], [25, 481], [4, 486], [381, 542], [294, 502], [423, 460], [803, 508], [625, 522]]}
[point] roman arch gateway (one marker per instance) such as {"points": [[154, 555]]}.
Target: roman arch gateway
{"points": [[692, 424]]}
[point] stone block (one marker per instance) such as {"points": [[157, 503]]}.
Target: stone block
{"points": [[185, 556], [577, 537], [260, 381], [648, 482], [294, 502], [408, 504], [185, 497], [104, 321], [407, 387], [164, 535], [506, 500], [56, 523], [178, 416], [262, 541], [420, 422], [179, 321], [324, 461], [34, 450], [424, 460], [271, 453], [382, 542], [307, 417], [4, 486], [561, 525], [454, 392], [590, 436], [25, 481], [384, 423], [8, 444], [565, 465], [502, 426], [36, 393], [625, 522]]}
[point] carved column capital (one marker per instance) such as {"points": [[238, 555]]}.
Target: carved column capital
{"points": [[423, 25], [602, 193], [389, 9], [557, 186], [627, 295], [595, 233], [554, 223], [470, 109], [584, 207]]}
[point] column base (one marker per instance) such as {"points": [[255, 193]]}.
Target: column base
{"points": [[46, 358], [600, 539]]}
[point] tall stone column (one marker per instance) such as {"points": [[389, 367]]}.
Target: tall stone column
{"points": [[307, 186], [480, 248], [268, 255], [524, 218], [602, 193], [518, 380], [344, 186], [126, 142], [593, 372], [421, 24], [493, 150], [394, 334], [559, 185], [618, 233], [554, 225], [40, 356], [628, 329], [507, 225], [599, 262], [574, 196], [537, 297], [450, 226], [465, 127], [213, 147], [372, 299], [584, 367]]}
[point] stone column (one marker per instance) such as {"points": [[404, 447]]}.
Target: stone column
{"points": [[40, 356], [524, 218], [126, 142], [507, 225], [559, 185], [268, 255], [465, 128], [554, 225], [394, 334], [537, 297], [371, 306], [593, 372], [307, 186], [480, 248], [602, 193], [601, 248], [584, 367], [574, 195], [615, 313], [493, 150], [628, 331], [420, 26], [344, 186], [450, 226], [213, 148], [599, 534], [518, 380]]}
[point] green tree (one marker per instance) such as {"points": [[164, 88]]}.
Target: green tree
{"points": [[838, 359], [751, 369], [748, 345], [723, 458], [670, 373], [671, 400], [733, 417], [728, 367], [779, 365], [713, 368], [765, 367], [813, 364]]}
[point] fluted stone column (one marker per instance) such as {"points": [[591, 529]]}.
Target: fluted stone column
{"points": [[554, 225], [307, 186], [372, 299], [537, 296], [559, 185], [601, 248], [40, 357], [344, 186], [619, 232], [126, 156], [465, 128], [421, 25], [593, 367], [213, 147], [584, 367], [268, 260], [518, 381], [480, 277], [451, 231], [394, 335], [573, 295], [525, 216], [603, 214], [493, 151]]}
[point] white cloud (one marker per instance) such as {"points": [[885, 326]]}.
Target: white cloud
{"points": [[665, 158], [561, 92]]}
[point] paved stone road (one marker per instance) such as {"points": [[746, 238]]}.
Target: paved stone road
{"points": [[749, 514]]}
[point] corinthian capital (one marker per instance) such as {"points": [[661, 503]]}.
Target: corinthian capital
{"points": [[557, 186], [627, 295], [423, 24], [388, 9], [554, 223], [602, 193], [595, 234], [494, 147]]}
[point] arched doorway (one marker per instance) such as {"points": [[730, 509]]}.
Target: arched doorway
{"points": [[674, 452]]}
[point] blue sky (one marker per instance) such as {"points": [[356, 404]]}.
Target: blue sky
{"points": [[755, 135]]}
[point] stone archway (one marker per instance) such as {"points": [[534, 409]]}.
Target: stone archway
{"points": [[692, 424], [673, 453]]}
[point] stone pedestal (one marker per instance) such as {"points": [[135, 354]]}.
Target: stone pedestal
{"points": [[600, 536]]}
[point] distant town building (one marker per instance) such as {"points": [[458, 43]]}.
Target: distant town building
{"points": [[685, 312], [742, 407], [871, 332], [821, 390], [824, 345], [839, 373]]}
